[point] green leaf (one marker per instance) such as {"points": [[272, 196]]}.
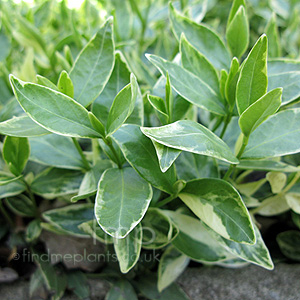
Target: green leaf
{"points": [[93, 66], [171, 266], [68, 218], [117, 195], [121, 290], [140, 153], [93, 229], [55, 282], [78, 284], [53, 183], [274, 47], [158, 104], [277, 181], [16, 152], [52, 110], [201, 37], [22, 126], [219, 205], [128, 249], [250, 188], [147, 284], [41, 80], [273, 206], [296, 219], [184, 83], [289, 82], [223, 80], [253, 81], [259, 111], [166, 155], [193, 61], [278, 136], [65, 84], [194, 240], [88, 186], [6, 178], [237, 33], [192, 137], [293, 200], [122, 106], [119, 78], [33, 230], [267, 165], [190, 166], [158, 230], [234, 8], [257, 254], [21, 205], [12, 189], [289, 244], [57, 151], [231, 82]]}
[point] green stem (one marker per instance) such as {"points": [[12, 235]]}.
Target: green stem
{"points": [[84, 160], [31, 196], [291, 183], [6, 215], [96, 151], [226, 123], [166, 201], [217, 125], [108, 142], [233, 166]]}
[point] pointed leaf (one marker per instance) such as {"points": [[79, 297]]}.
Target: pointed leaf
{"points": [[21, 127], [158, 230], [121, 290], [192, 137], [257, 254], [219, 205], [166, 155], [252, 83], [52, 110], [93, 66], [93, 229], [140, 153], [57, 151], [278, 136], [193, 61], [16, 152], [194, 240], [53, 183], [230, 86], [274, 47], [259, 111], [68, 218], [128, 249], [122, 106], [237, 33], [184, 83], [119, 205], [65, 84], [171, 266], [201, 37]]}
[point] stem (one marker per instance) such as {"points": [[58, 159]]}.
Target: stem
{"points": [[84, 160], [226, 123], [166, 201], [6, 215], [31, 196], [217, 125], [108, 142], [96, 151], [292, 183], [233, 166]]}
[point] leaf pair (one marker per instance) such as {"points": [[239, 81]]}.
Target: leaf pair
{"points": [[254, 105]]}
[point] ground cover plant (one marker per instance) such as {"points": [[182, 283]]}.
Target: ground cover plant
{"points": [[167, 132]]}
